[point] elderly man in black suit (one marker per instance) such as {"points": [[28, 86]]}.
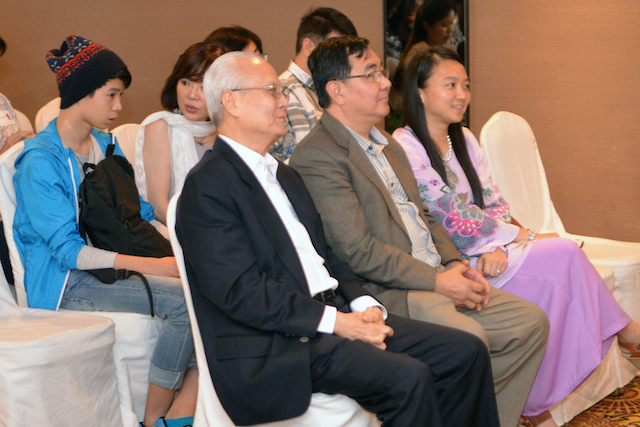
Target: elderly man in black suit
{"points": [[281, 316]]}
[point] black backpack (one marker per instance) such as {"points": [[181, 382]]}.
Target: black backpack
{"points": [[110, 216]]}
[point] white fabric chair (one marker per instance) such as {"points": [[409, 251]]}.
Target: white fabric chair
{"points": [[126, 136], [325, 410], [48, 112], [55, 368], [135, 334], [23, 121], [512, 152]]}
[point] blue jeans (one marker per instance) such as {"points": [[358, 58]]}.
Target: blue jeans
{"points": [[173, 353]]}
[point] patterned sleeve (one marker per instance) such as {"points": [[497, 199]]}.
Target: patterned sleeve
{"points": [[8, 120], [283, 148], [473, 231]]}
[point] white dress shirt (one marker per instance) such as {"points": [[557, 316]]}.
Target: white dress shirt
{"points": [[265, 170]]}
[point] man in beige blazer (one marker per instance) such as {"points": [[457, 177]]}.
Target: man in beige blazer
{"points": [[365, 191]]}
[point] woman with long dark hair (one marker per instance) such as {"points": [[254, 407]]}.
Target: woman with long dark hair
{"points": [[432, 27], [170, 142], [455, 183]]}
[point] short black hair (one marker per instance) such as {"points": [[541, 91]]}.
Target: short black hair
{"points": [[330, 61], [124, 75], [318, 23], [235, 38], [3, 46]]}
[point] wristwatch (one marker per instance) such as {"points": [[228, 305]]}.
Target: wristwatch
{"points": [[532, 234]]}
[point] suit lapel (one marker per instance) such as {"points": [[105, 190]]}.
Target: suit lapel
{"points": [[343, 137], [304, 208], [267, 215]]}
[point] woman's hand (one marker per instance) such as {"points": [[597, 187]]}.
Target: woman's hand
{"points": [[493, 263]]}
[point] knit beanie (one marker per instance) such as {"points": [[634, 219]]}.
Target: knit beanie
{"points": [[81, 67]]}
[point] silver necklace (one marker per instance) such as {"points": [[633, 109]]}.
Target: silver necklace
{"points": [[449, 154]]}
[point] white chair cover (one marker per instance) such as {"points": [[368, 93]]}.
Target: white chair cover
{"points": [[48, 112], [325, 410], [135, 334], [512, 152], [55, 368], [126, 136], [23, 121]]}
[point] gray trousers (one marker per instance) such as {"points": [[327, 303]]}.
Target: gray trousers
{"points": [[514, 330]]}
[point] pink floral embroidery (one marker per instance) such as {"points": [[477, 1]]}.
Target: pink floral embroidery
{"points": [[466, 227]]}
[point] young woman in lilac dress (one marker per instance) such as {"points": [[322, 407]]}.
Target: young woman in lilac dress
{"points": [[554, 273]]}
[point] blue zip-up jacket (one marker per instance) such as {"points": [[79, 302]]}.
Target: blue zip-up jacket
{"points": [[45, 227]]}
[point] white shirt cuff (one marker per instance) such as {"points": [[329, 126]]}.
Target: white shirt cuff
{"points": [[328, 321], [366, 301]]}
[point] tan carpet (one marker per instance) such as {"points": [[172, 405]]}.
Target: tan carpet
{"points": [[617, 409]]}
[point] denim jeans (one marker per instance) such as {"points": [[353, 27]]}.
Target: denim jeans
{"points": [[173, 353]]}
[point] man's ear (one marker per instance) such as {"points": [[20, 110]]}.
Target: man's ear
{"points": [[336, 91], [308, 46], [230, 101]]}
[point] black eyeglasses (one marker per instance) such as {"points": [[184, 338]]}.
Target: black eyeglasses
{"points": [[375, 76], [276, 90]]}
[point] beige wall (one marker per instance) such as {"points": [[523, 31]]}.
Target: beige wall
{"points": [[571, 69], [568, 67], [148, 35]]}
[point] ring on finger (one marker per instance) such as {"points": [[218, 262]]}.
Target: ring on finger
{"points": [[498, 271]]}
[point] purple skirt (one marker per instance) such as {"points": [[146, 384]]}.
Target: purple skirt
{"points": [[559, 278]]}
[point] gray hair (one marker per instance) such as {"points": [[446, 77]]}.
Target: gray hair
{"points": [[224, 74]]}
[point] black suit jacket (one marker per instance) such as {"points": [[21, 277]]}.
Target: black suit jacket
{"points": [[250, 294]]}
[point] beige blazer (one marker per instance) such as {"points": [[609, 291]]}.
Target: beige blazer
{"points": [[360, 218]]}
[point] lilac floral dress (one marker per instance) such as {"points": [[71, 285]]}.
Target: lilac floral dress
{"points": [[473, 231], [552, 273]]}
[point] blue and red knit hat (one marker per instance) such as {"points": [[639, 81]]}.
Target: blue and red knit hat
{"points": [[82, 66]]}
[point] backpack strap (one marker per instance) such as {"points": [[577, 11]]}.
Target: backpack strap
{"points": [[110, 275], [111, 146]]}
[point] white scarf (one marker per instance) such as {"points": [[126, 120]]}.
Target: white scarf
{"points": [[182, 134]]}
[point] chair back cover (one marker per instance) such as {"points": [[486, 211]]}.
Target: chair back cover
{"points": [[8, 305], [48, 112], [23, 121], [7, 212], [511, 150], [325, 410], [126, 136]]}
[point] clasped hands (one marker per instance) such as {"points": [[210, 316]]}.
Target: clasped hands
{"points": [[368, 326], [464, 285]]}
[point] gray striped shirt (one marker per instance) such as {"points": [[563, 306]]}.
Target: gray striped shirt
{"points": [[422, 246]]}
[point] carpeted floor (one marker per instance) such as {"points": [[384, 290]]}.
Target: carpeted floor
{"points": [[617, 409]]}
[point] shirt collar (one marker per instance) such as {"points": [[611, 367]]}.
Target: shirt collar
{"points": [[301, 75], [255, 161], [375, 147]]}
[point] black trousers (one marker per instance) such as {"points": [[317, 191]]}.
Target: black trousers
{"points": [[430, 375]]}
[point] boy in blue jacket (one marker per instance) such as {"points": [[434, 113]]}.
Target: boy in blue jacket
{"points": [[91, 80]]}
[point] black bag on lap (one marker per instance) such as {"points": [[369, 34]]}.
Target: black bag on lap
{"points": [[110, 210], [110, 216]]}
